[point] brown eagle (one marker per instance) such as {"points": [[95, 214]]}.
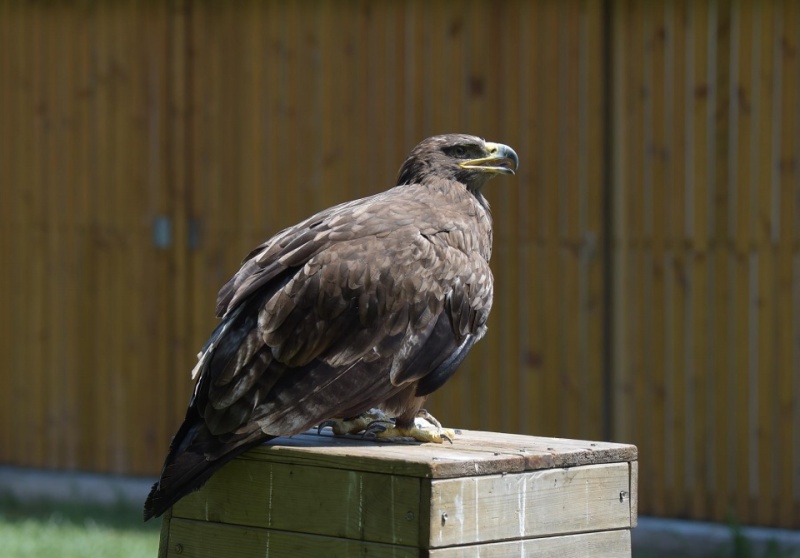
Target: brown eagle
{"points": [[371, 304]]}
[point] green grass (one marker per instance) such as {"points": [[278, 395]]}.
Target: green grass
{"points": [[72, 530], [741, 547]]}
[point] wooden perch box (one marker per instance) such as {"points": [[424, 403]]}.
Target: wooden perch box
{"points": [[487, 495]]}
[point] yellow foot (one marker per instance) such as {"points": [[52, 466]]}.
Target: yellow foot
{"points": [[382, 430], [376, 425]]}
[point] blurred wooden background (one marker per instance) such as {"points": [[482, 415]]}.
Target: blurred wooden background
{"points": [[647, 255]]}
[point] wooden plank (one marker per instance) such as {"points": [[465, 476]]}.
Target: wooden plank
{"points": [[720, 287], [213, 260], [199, 539], [567, 231], [7, 103], [606, 544], [82, 153], [163, 537], [51, 249], [786, 123], [530, 331], [472, 453], [507, 299], [763, 381], [634, 493], [621, 374], [762, 194], [131, 392], [631, 419], [309, 499], [177, 135], [656, 209], [556, 393], [681, 417], [304, 499], [530, 504], [158, 315], [102, 146], [698, 116], [32, 303], [542, 452], [395, 458], [744, 26], [592, 163], [68, 76], [126, 207]]}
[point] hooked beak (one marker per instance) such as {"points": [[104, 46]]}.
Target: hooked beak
{"points": [[501, 160]]}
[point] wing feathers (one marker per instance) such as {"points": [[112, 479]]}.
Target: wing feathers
{"points": [[374, 302]]}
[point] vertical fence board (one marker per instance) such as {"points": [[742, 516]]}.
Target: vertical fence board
{"points": [[81, 319], [786, 177], [697, 117], [704, 199], [6, 224]]}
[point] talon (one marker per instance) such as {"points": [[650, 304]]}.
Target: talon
{"points": [[424, 414], [377, 427], [353, 425], [327, 424]]}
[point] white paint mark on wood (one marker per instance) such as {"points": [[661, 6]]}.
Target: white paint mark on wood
{"points": [[522, 501], [556, 501], [477, 504]]}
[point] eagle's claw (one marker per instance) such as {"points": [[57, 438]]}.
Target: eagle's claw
{"points": [[376, 425], [328, 423]]}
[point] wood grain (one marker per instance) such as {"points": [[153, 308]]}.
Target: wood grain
{"points": [[310, 489], [608, 544], [530, 504], [309, 499], [472, 453], [199, 539]]}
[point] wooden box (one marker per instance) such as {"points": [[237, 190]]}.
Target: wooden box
{"points": [[487, 495]]}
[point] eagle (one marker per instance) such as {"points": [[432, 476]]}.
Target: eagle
{"points": [[349, 319]]}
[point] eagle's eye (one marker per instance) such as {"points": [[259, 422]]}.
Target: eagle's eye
{"points": [[458, 151]]}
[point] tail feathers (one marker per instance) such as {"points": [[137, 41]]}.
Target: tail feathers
{"points": [[189, 469]]}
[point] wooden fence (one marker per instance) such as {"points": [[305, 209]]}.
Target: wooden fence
{"points": [[647, 255], [706, 255]]}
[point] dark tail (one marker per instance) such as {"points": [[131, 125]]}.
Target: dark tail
{"points": [[195, 455]]}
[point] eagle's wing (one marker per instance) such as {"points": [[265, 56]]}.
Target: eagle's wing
{"points": [[371, 303], [352, 306]]}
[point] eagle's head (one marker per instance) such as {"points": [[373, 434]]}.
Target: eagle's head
{"points": [[461, 157]]}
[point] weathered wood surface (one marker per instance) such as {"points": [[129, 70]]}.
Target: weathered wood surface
{"points": [[199, 539], [212, 541], [472, 453], [345, 495], [605, 544], [531, 504], [319, 500]]}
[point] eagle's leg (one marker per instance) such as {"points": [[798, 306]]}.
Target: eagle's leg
{"points": [[354, 425], [403, 427], [377, 425]]}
